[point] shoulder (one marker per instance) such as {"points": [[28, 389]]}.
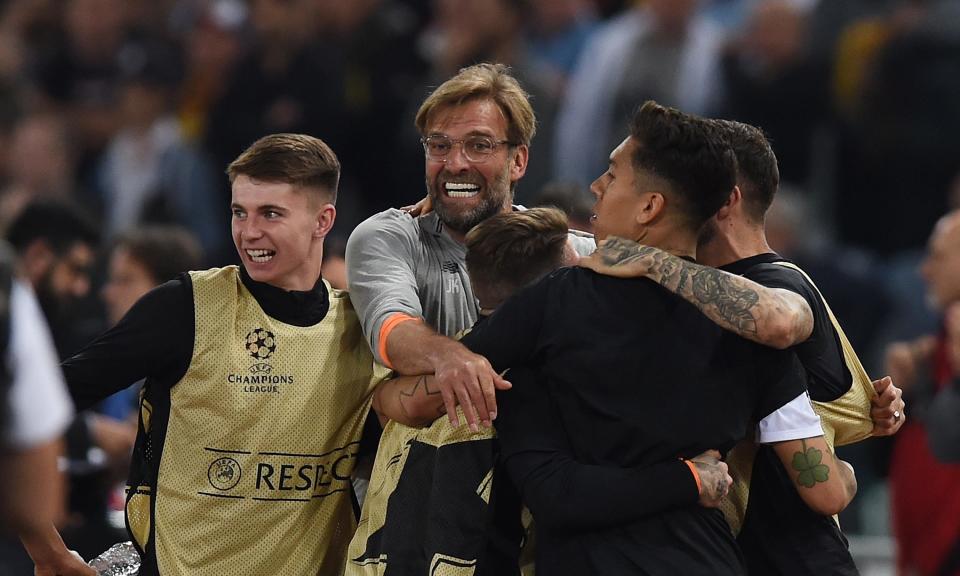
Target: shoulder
{"points": [[388, 230], [777, 275], [389, 221]]}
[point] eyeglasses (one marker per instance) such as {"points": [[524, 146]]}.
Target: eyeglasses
{"points": [[476, 149]]}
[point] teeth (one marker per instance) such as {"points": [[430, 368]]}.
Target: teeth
{"points": [[260, 256], [461, 189]]}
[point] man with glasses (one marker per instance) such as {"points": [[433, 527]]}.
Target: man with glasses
{"points": [[406, 275]]}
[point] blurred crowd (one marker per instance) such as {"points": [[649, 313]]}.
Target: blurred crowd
{"points": [[118, 117]]}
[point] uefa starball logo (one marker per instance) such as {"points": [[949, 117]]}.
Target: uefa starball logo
{"points": [[260, 344]]}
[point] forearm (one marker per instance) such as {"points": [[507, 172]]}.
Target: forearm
{"points": [[413, 348], [771, 316], [32, 487], [413, 401], [565, 495]]}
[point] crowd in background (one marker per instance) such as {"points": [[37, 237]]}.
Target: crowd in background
{"points": [[131, 109]]}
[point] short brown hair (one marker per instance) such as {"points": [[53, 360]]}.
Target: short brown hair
{"points": [[481, 81], [297, 159], [509, 251]]}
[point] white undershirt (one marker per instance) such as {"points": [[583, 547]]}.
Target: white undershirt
{"points": [[794, 420], [40, 408]]}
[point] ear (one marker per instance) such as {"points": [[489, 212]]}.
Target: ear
{"points": [[733, 204], [37, 260], [651, 206], [518, 166], [325, 219]]}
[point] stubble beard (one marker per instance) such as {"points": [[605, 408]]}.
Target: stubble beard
{"points": [[492, 202]]}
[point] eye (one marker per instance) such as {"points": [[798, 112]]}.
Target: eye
{"points": [[271, 214], [480, 145], [439, 146], [238, 213]]}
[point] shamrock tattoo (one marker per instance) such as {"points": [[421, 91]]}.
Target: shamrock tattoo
{"points": [[807, 463]]}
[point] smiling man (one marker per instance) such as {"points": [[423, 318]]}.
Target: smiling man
{"points": [[258, 381], [406, 274]]}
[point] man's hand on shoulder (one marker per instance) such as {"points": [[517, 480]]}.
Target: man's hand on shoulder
{"points": [[621, 258]]}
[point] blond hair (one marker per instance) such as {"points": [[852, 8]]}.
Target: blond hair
{"points": [[481, 81]]}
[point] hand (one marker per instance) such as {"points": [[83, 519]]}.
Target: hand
{"points": [[469, 380], [70, 564], [887, 410], [715, 480], [421, 208], [620, 258]]}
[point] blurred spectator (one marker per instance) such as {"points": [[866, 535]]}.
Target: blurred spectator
{"points": [[213, 45], [664, 50], [572, 199], [557, 31], [925, 499], [770, 81], [149, 173], [80, 73], [56, 245], [285, 83], [908, 102], [382, 78], [40, 165], [34, 411], [139, 260]]}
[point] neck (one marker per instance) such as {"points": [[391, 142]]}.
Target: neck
{"points": [[676, 242], [733, 244]]}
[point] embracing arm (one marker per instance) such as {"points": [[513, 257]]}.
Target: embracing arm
{"points": [[568, 495], [414, 401], [771, 316], [384, 291]]}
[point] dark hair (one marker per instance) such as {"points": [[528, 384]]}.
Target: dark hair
{"points": [[164, 251], [757, 173], [689, 154], [515, 249], [60, 224], [303, 161]]}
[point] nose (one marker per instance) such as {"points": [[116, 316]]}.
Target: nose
{"points": [[595, 188], [250, 228], [456, 160]]}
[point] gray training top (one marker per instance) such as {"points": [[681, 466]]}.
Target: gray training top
{"points": [[397, 263]]}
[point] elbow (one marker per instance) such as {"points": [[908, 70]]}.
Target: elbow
{"points": [[832, 500], [781, 335]]}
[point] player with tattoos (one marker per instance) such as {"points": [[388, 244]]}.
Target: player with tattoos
{"points": [[781, 534], [637, 375]]}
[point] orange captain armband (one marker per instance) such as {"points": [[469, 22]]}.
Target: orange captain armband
{"points": [[387, 327], [696, 475]]}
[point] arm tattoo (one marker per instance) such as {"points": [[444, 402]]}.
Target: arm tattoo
{"points": [[808, 463], [421, 386], [725, 298]]}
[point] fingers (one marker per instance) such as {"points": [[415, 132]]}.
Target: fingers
{"points": [[469, 400], [882, 384], [450, 405]]}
